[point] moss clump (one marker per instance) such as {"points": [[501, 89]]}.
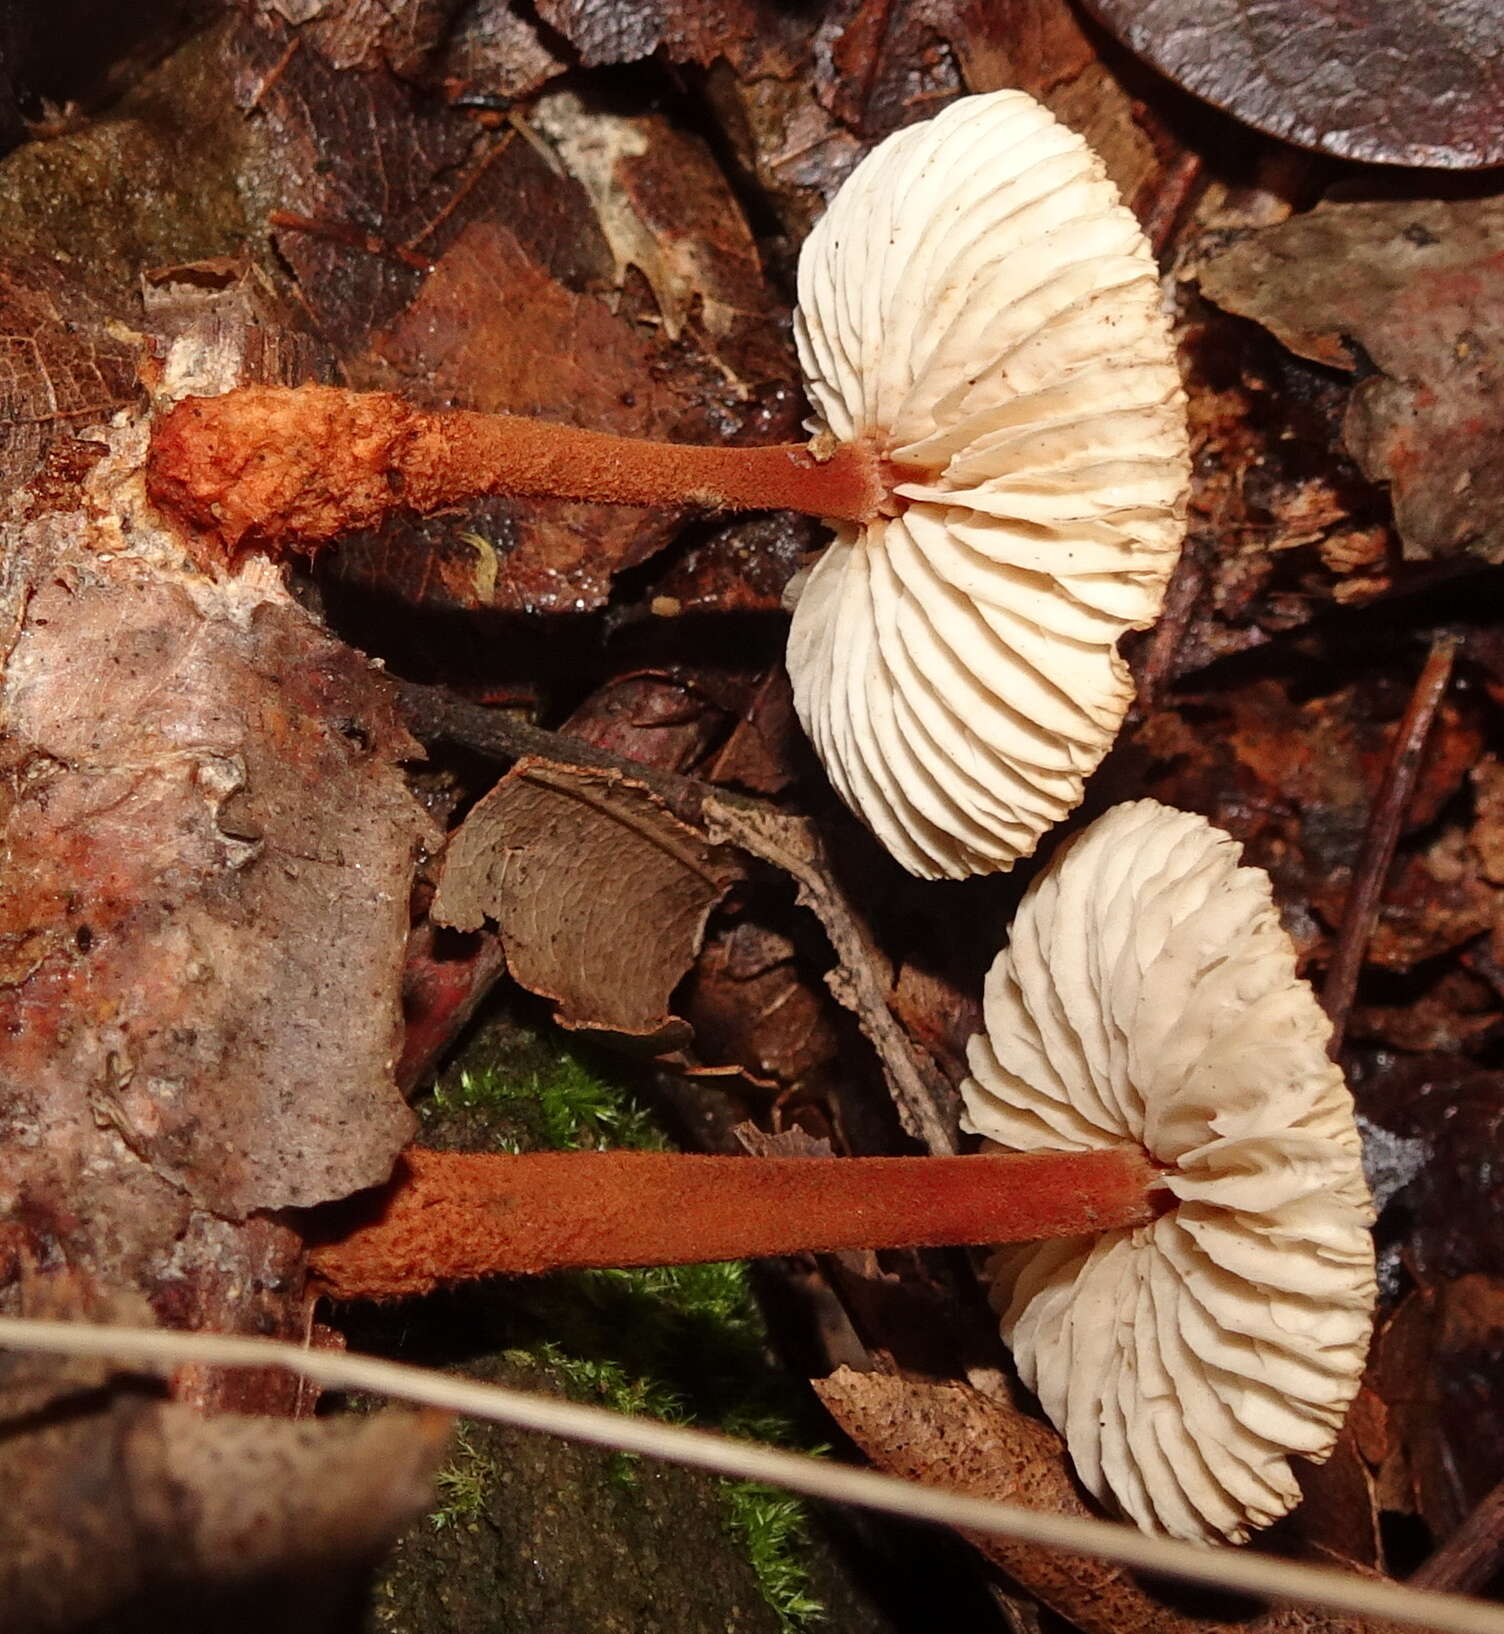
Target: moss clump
{"points": [[537, 1092], [684, 1343], [773, 1529], [465, 1485]]}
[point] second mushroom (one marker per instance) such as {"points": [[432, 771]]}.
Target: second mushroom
{"points": [[1182, 1159]]}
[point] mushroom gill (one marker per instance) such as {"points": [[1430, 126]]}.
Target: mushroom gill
{"points": [[1149, 994], [979, 307]]}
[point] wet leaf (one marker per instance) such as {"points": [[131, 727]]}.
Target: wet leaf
{"points": [[196, 950], [650, 718], [365, 33], [1381, 81], [1451, 1214], [1437, 1367], [634, 302], [750, 1003]]}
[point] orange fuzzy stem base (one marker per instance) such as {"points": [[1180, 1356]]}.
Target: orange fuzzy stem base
{"points": [[451, 1217], [275, 469]]}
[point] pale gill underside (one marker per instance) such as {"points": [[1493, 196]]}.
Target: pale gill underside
{"points": [[1149, 995], [978, 303]]}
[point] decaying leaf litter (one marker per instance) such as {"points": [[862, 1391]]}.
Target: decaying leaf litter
{"points": [[356, 192]]}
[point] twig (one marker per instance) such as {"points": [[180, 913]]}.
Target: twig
{"points": [[1473, 1554], [1216, 1567], [350, 237], [1385, 822], [862, 978], [1177, 188], [1163, 646]]}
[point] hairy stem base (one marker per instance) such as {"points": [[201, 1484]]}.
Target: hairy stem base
{"points": [[277, 469]]}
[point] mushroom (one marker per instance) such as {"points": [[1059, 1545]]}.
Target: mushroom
{"points": [[1000, 444], [978, 305], [1148, 995], [1194, 1302]]}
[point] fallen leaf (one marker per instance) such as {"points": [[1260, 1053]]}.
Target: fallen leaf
{"points": [[1487, 835], [665, 208], [925, 1100], [1451, 1214], [1412, 288], [523, 250], [495, 55], [1437, 1367], [750, 1003], [171, 878], [364, 173], [145, 1510], [651, 718], [958, 1437], [366, 33], [60, 367], [198, 950], [1380, 81], [599, 892]]}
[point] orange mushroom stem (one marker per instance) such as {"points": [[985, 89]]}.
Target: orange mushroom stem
{"points": [[452, 1217], [274, 468]]}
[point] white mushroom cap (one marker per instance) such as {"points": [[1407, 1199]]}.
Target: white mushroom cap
{"points": [[978, 302], [1149, 995]]}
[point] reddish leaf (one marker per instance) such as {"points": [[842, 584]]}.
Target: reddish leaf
{"points": [[60, 369], [1416, 288], [365, 33]]}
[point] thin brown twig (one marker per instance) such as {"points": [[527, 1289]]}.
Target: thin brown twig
{"points": [[862, 978], [460, 194], [1386, 820], [1473, 1555], [1177, 190], [351, 237], [1162, 649]]}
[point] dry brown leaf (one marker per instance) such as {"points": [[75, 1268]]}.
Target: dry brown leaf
{"points": [[861, 979], [1413, 286], [599, 892], [955, 1436], [366, 33], [60, 369]]}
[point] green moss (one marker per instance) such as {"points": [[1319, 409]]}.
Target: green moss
{"points": [[545, 1093], [685, 1343], [773, 1528], [464, 1486]]}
